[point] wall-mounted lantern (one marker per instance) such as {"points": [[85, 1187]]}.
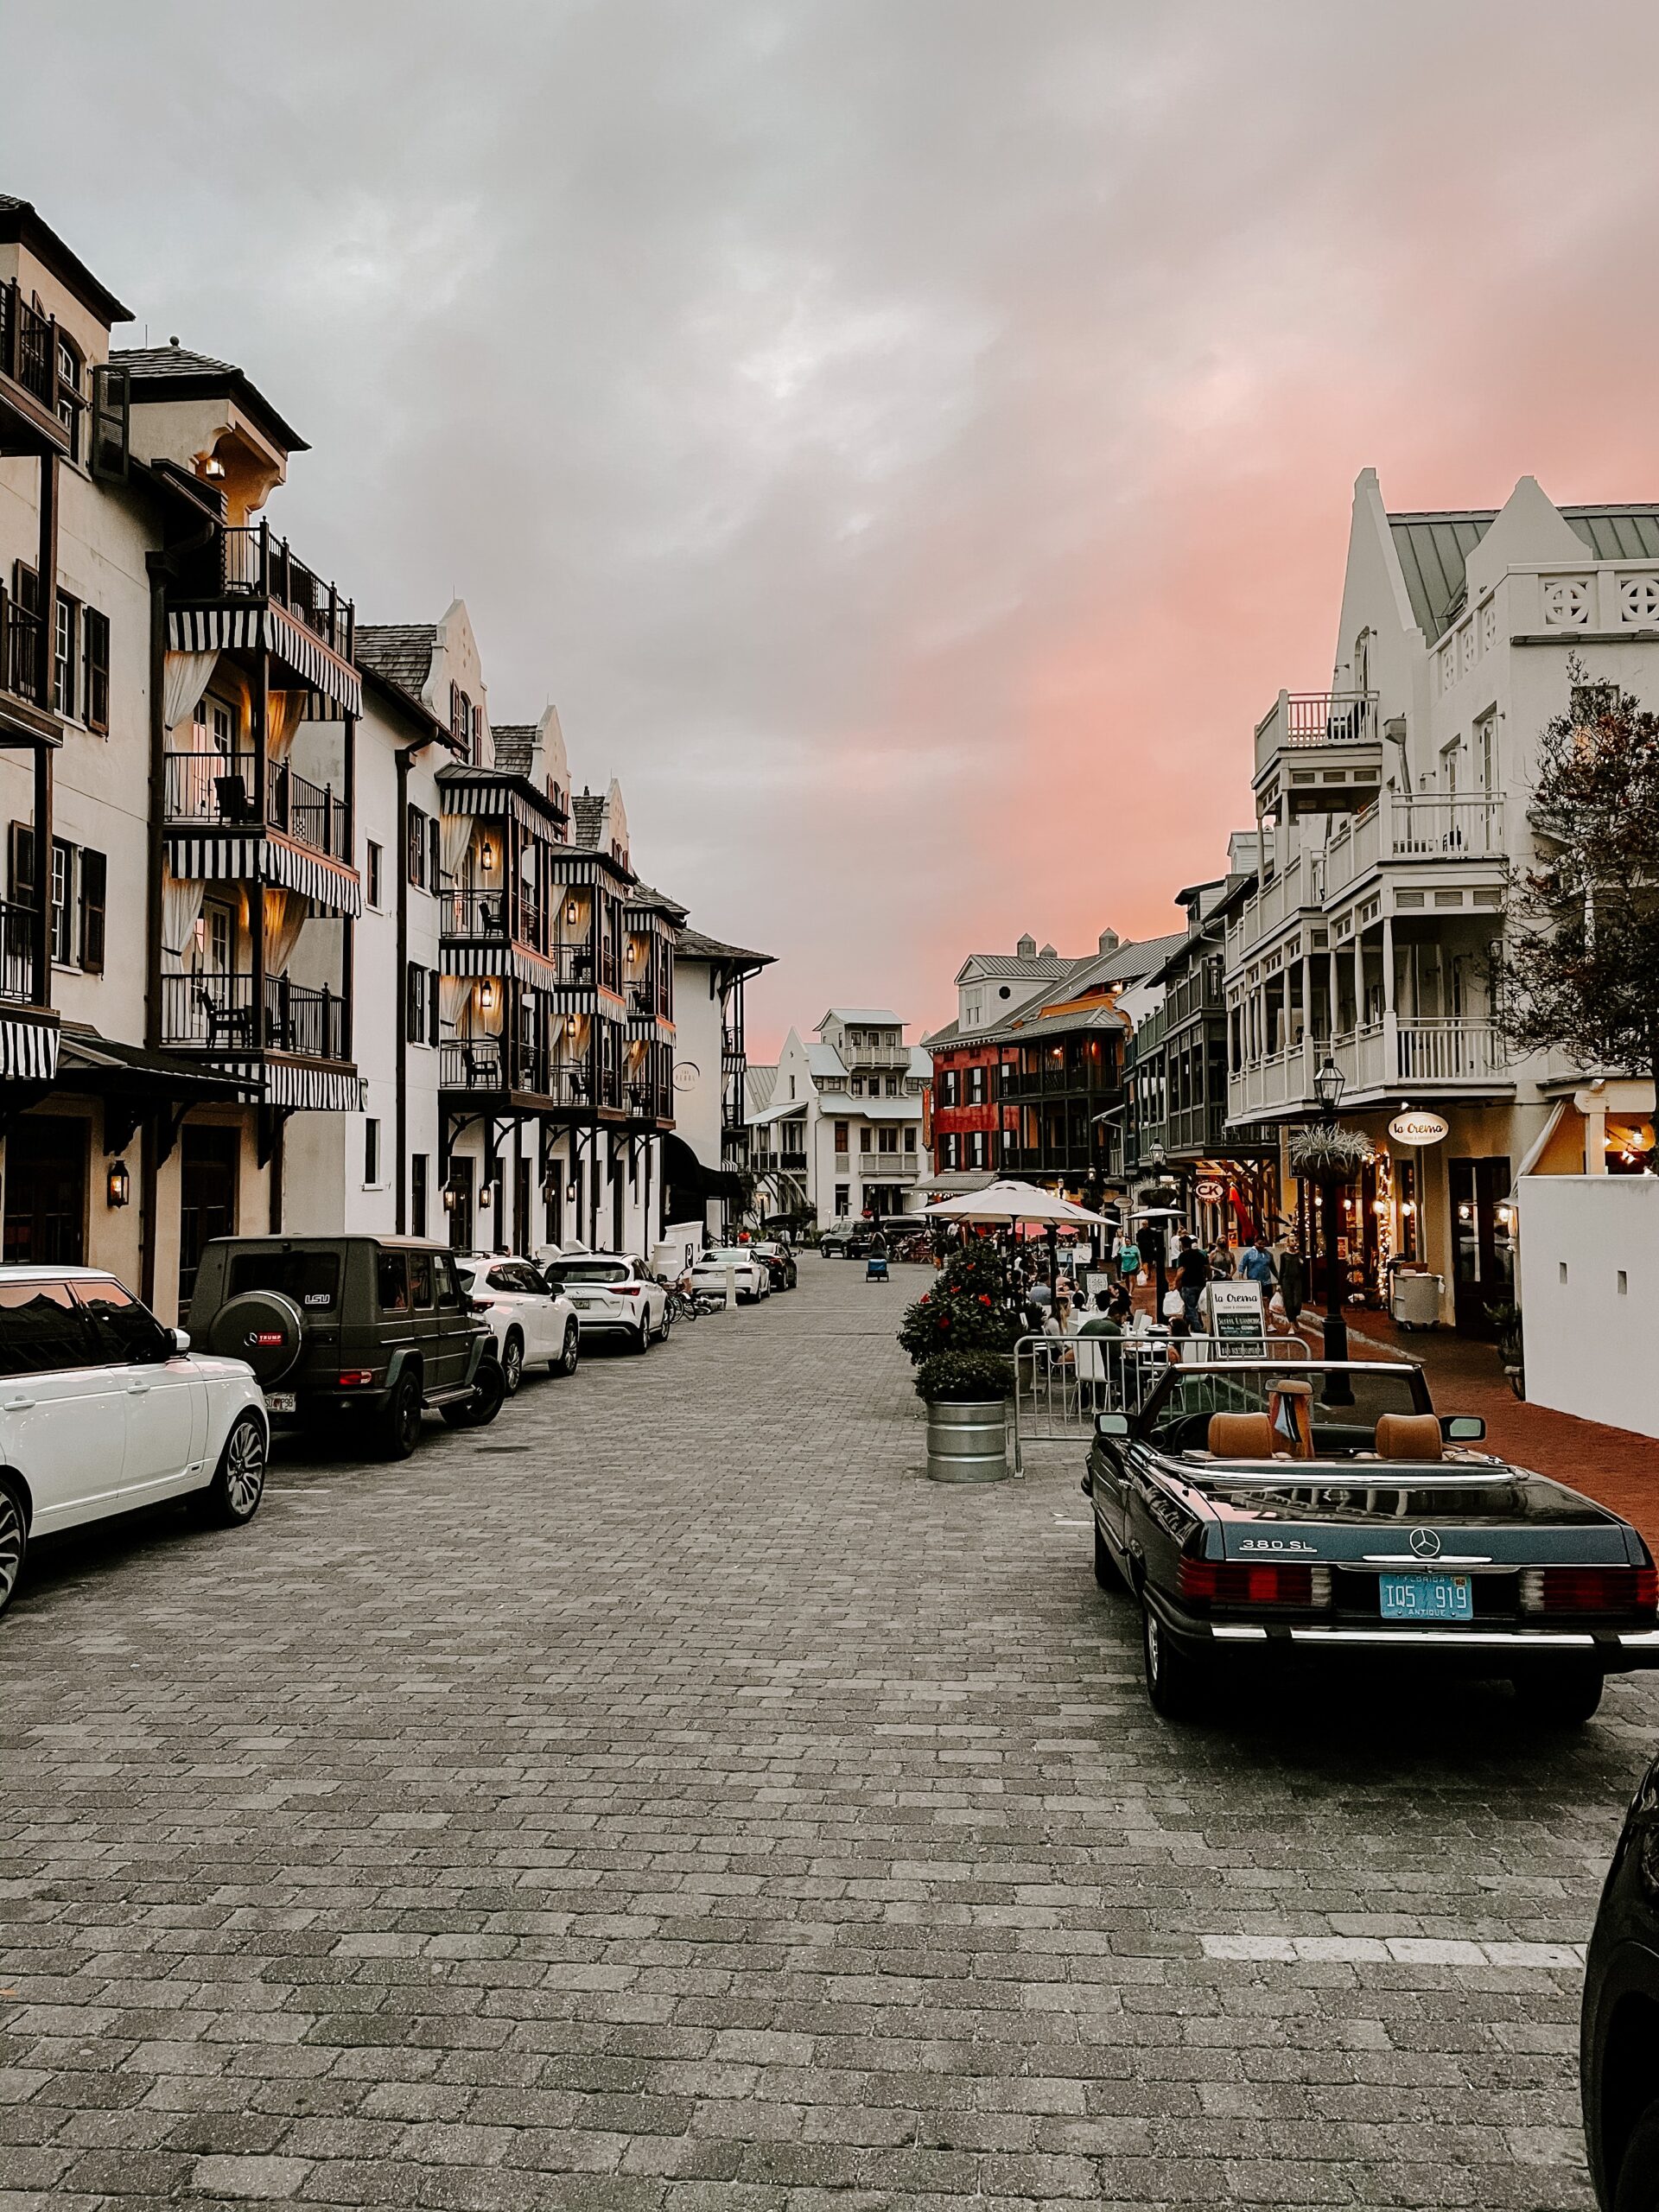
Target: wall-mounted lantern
{"points": [[119, 1191]]}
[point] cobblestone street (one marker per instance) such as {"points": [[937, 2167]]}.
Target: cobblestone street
{"points": [[668, 1798]]}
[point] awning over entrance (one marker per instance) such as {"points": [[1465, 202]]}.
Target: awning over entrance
{"points": [[687, 1177]]}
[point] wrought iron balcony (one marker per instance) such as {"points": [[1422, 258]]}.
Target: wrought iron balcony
{"points": [[17, 965], [220, 1014], [38, 408], [218, 790]]}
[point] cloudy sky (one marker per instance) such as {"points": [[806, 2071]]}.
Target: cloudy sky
{"points": [[911, 440]]}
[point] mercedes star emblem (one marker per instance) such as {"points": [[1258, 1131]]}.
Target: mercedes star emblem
{"points": [[1425, 1543]]}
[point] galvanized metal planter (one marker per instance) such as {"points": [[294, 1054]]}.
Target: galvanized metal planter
{"points": [[968, 1442]]}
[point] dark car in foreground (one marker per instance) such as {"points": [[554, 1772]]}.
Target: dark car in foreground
{"points": [[1316, 1513], [368, 1330], [1618, 2050]]}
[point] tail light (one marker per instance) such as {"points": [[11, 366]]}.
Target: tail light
{"points": [[355, 1378], [1227, 1582], [1589, 1589], [628, 1289], [481, 1305]]}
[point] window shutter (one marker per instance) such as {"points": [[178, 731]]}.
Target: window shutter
{"points": [[111, 411], [431, 1005], [434, 854], [95, 653], [414, 853], [20, 866], [412, 992], [94, 880]]}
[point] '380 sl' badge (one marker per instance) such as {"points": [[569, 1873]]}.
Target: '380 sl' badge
{"points": [[1425, 1543]]}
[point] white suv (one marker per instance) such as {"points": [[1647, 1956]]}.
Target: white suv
{"points": [[751, 1277], [530, 1317], [103, 1410], [612, 1293]]}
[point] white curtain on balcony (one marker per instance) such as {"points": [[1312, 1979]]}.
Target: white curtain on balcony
{"points": [[453, 993], [285, 916], [456, 837], [181, 911], [184, 678], [284, 711]]}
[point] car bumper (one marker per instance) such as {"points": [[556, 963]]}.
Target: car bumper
{"points": [[1615, 1650]]}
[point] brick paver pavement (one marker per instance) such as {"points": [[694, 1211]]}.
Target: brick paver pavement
{"points": [[669, 1799]]}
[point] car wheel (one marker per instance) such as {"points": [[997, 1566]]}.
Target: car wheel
{"points": [[1637, 2187], [567, 1360], [641, 1336], [239, 1483], [512, 1362], [400, 1422], [489, 1395], [1562, 1697], [1106, 1574], [667, 1323], [14, 1542], [1175, 1683]]}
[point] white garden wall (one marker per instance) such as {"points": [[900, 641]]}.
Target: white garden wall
{"points": [[1590, 1295]]}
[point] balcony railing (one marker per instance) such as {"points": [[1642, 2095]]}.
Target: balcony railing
{"points": [[17, 951], [1200, 992], [1300, 720], [28, 347], [220, 1014], [855, 1056], [1053, 1158], [1419, 828], [1046, 1081], [21, 664], [257, 565], [219, 788], [1416, 1056]]}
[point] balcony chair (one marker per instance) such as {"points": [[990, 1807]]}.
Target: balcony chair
{"points": [[235, 1022], [234, 804]]}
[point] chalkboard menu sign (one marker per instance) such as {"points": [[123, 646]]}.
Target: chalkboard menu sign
{"points": [[1236, 1310]]}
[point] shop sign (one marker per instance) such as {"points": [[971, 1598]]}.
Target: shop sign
{"points": [[1211, 1191], [1418, 1129], [1236, 1309]]}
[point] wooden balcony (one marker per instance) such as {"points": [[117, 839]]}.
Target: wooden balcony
{"points": [[38, 413], [248, 590]]}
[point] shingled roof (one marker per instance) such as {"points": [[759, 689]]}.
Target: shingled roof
{"points": [[22, 224], [515, 747], [400, 652], [164, 372], [587, 819]]}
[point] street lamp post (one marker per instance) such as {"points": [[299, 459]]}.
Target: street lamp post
{"points": [[1156, 1161], [1328, 1089]]}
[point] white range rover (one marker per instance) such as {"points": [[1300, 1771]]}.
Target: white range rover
{"points": [[103, 1410]]}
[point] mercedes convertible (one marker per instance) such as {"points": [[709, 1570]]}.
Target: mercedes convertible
{"points": [[1313, 1511]]}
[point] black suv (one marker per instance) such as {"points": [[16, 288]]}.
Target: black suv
{"points": [[375, 1328]]}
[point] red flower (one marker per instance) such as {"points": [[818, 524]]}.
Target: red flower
{"points": [[924, 1297], [983, 1299]]}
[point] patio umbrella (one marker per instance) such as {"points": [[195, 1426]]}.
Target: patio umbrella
{"points": [[1010, 1201]]}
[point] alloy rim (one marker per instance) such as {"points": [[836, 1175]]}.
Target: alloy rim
{"points": [[244, 1466], [570, 1351], [1154, 1654], [512, 1366], [11, 1544]]}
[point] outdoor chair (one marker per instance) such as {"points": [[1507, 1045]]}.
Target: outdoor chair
{"points": [[231, 793], [230, 1021]]}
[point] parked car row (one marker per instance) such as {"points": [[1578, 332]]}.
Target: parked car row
{"points": [[103, 1409]]}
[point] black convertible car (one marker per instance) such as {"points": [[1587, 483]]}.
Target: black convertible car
{"points": [[1302, 1510], [1618, 2052]]}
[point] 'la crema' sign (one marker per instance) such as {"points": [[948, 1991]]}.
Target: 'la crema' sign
{"points": [[1417, 1128]]}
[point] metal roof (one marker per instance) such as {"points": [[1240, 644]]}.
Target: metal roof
{"points": [[1013, 967], [1434, 550], [870, 1017]]}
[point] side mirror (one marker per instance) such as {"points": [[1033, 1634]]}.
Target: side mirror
{"points": [[1463, 1428], [1113, 1425], [178, 1340]]}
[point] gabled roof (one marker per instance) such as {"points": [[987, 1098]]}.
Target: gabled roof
{"points": [[760, 1080], [1085, 1015], [1013, 967], [642, 894], [21, 224], [864, 1017], [163, 372], [952, 1034], [1434, 549], [401, 652], [587, 819], [824, 1061], [515, 745]]}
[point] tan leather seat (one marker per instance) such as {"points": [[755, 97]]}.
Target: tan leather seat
{"points": [[1408, 1436], [1241, 1436]]}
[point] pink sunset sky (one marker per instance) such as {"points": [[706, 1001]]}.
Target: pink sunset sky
{"points": [[912, 443]]}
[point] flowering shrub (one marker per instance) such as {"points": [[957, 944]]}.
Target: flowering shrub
{"points": [[967, 1309]]}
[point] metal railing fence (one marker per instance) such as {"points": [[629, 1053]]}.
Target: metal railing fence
{"points": [[1062, 1382]]}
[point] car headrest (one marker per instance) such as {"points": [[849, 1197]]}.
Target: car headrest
{"points": [[1241, 1436], [1408, 1436]]}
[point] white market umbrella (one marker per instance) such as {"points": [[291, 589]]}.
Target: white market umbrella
{"points": [[1013, 1202]]}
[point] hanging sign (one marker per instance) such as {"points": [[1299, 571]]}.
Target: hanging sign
{"points": [[1418, 1129], [1211, 1191]]}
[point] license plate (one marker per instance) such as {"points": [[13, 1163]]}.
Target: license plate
{"points": [[279, 1402], [1427, 1597]]}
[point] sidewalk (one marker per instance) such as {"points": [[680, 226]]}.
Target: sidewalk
{"points": [[1613, 1464]]}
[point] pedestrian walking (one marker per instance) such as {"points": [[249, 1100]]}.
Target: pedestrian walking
{"points": [[1127, 1256], [1292, 1280], [1220, 1260], [1256, 1264], [1191, 1273]]}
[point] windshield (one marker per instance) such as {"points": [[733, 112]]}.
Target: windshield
{"points": [[310, 1279], [726, 1254], [1347, 1401], [587, 1271]]}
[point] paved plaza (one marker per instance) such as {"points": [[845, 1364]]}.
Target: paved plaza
{"points": [[669, 1798]]}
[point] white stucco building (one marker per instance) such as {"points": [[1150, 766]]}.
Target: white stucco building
{"points": [[838, 1127], [1391, 805]]}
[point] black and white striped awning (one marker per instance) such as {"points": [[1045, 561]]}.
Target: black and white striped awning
{"points": [[509, 962], [265, 856], [29, 1049], [477, 796], [300, 1085], [272, 630]]}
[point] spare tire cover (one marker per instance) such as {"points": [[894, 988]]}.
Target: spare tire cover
{"points": [[263, 1327]]}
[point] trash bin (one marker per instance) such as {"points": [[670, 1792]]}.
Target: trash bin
{"points": [[1414, 1301]]}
